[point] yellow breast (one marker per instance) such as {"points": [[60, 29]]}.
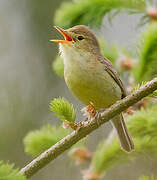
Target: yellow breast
{"points": [[87, 79]]}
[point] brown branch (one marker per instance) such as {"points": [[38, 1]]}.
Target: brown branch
{"points": [[64, 144]]}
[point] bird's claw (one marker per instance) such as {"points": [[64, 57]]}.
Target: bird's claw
{"points": [[89, 111]]}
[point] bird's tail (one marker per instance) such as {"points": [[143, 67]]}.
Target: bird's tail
{"points": [[123, 134]]}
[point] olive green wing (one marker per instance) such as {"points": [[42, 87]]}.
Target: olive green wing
{"points": [[109, 68]]}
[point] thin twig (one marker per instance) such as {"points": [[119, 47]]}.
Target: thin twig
{"points": [[64, 144]]}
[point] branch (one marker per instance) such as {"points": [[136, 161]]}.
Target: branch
{"points": [[64, 144]]}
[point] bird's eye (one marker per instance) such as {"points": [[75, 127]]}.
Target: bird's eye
{"points": [[80, 38]]}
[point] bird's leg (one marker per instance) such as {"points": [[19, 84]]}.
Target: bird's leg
{"points": [[89, 111]]}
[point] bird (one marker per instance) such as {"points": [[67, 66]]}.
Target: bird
{"points": [[91, 77]]}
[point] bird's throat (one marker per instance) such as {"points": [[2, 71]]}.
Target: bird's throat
{"points": [[75, 58]]}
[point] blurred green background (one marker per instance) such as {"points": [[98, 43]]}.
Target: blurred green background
{"points": [[28, 83]]}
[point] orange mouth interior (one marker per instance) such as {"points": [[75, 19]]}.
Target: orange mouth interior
{"points": [[67, 38]]}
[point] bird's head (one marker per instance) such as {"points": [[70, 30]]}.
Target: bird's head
{"points": [[78, 38]]}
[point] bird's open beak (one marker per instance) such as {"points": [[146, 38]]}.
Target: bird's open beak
{"points": [[67, 37]]}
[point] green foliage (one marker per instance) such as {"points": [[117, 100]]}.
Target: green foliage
{"points": [[143, 122], [63, 109], [143, 127], [40, 140], [147, 178], [147, 66], [58, 66], [106, 156], [153, 95], [7, 172], [93, 11]]}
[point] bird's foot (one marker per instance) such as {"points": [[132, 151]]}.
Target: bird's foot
{"points": [[89, 111], [129, 111]]}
